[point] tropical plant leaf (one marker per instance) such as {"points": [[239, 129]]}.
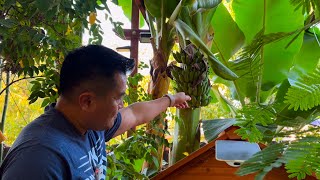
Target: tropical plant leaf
{"points": [[186, 17], [156, 10], [305, 93], [249, 70], [154, 7], [308, 57], [126, 6], [261, 14], [225, 104], [212, 128], [228, 38], [296, 119], [204, 5]]}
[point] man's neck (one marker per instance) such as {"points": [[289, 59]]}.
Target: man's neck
{"points": [[70, 113]]}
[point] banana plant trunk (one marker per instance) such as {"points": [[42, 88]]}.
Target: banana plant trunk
{"points": [[186, 133]]}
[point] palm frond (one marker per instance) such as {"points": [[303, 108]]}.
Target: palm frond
{"points": [[304, 94]]}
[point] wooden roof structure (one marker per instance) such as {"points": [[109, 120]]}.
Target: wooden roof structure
{"points": [[202, 164]]}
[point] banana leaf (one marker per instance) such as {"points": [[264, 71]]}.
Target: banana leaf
{"points": [[228, 38], [126, 6], [271, 16], [307, 58], [212, 128]]}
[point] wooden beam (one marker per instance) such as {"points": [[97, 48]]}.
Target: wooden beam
{"points": [[134, 36], [142, 8]]}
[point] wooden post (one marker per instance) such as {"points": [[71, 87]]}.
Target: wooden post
{"points": [[134, 43]]}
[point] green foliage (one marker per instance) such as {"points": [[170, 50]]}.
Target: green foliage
{"points": [[126, 160], [19, 113], [47, 30], [307, 5], [307, 148], [223, 25], [310, 50], [136, 91], [299, 155], [301, 158], [45, 87], [275, 57], [304, 94], [250, 117], [127, 10]]}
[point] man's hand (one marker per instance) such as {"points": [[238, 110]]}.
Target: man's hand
{"points": [[180, 100]]}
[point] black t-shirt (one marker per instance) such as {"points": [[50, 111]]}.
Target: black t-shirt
{"points": [[51, 148]]}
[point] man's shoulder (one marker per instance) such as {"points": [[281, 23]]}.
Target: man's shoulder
{"points": [[41, 127], [42, 133]]}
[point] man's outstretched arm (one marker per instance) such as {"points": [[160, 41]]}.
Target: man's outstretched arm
{"points": [[143, 112]]}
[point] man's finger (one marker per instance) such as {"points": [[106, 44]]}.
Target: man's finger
{"points": [[178, 106]]}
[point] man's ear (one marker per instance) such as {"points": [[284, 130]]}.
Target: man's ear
{"points": [[87, 101]]}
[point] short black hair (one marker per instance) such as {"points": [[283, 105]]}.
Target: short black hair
{"points": [[93, 64]]}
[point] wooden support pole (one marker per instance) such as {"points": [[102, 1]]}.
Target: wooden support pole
{"points": [[134, 43]]}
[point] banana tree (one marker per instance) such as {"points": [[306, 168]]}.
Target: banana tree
{"points": [[192, 20], [195, 32]]}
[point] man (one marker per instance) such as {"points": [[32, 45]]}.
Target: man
{"points": [[68, 140]]}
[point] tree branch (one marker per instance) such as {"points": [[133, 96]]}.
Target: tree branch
{"points": [[17, 81]]}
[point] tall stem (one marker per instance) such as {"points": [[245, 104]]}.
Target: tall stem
{"points": [[186, 133]]}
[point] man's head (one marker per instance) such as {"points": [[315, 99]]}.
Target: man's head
{"points": [[93, 82]]}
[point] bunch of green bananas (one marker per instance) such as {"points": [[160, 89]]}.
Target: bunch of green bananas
{"points": [[192, 75]]}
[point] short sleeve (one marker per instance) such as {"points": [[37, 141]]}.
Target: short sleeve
{"points": [[34, 163], [109, 133]]}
